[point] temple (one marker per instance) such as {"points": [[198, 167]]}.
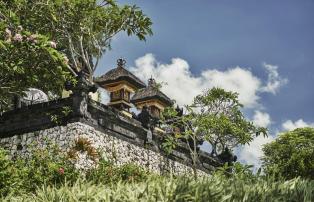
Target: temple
{"points": [[155, 100], [111, 128], [120, 83]]}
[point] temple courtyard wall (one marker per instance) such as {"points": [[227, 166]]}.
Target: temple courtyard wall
{"points": [[119, 138]]}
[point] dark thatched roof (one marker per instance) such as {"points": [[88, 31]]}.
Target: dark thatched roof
{"points": [[151, 92], [120, 74]]}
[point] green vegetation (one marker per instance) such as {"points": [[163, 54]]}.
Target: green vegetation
{"points": [[81, 29], [214, 116], [49, 176], [43, 41], [50, 166], [291, 154], [28, 60], [175, 189]]}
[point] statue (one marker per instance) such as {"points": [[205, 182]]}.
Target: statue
{"points": [[80, 94], [144, 117]]}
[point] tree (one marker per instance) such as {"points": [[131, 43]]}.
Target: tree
{"points": [[82, 29], [214, 116], [28, 60], [291, 154], [44, 43]]}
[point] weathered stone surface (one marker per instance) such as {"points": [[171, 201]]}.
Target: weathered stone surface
{"points": [[118, 151], [122, 139]]}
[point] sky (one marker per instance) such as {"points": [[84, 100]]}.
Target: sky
{"points": [[264, 50]]}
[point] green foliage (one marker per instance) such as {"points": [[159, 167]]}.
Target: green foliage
{"points": [[291, 154], [182, 188], [10, 175], [107, 173], [43, 43], [82, 29], [59, 116], [214, 116], [39, 178], [220, 120], [28, 60], [44, 166], [50, 166]]}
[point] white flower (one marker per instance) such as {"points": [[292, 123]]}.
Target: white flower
{"points": [[18, 37], [53, 44]]}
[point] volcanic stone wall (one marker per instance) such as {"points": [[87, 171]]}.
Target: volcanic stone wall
{"points": [[119, 138]]}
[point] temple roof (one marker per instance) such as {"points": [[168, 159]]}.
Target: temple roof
{"points": [[151, 92], [120, 74]]}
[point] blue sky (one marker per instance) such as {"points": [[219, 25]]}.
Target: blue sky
{"points": [[264, 49]]}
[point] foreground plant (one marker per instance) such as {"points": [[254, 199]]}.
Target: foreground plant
{"points": [[215, 188]]}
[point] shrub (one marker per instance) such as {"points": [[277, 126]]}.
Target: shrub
{"points": [[48, 166], [83, 145], [182, 188], [43, 166], [10, 174], [107, 173]]}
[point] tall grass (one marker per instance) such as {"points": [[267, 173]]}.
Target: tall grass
{"points": [[214, 188]]}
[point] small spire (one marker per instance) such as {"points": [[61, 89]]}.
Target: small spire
{"points": [[121, 63], [151, 81]]}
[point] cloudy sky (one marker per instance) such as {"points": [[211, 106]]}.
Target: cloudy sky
{"points": [[264, 50]]}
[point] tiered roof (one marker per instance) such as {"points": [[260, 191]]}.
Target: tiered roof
{"points": [[120, 74], [151, 92]]}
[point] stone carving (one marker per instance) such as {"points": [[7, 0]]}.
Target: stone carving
{"points": [[144, 117], [80, 94]]}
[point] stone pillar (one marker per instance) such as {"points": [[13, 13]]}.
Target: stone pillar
{"points": [[80, 95]]}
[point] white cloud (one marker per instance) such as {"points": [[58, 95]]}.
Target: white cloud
{"points": [[274, 81], [261, 119], [290, 125], [237, 79], [183, 86], [252, 153]]}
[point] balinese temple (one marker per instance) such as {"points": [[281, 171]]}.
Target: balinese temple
{"points": [[120, 83], [155, 100]]}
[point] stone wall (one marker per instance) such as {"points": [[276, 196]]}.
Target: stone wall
{"points": [[117, 150], [121, 138]]}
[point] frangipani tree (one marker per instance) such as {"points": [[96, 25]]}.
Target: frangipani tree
{"points": [[82, 29], [43, 43], [28, 60], [214, 116]]}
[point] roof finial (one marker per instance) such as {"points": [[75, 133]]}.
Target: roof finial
{"points": [[151, 81], [121, 62]]}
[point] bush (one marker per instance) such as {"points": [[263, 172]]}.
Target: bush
{"points": [[10, 174], [43, 166], [107, 173], [51, 167], [48, 166]]}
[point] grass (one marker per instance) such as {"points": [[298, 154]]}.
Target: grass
{"points": [[161, 188]]}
